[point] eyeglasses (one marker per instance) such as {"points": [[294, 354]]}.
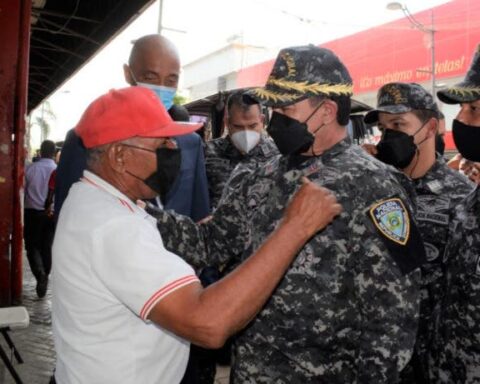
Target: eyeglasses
{"points": [[169, 143]]}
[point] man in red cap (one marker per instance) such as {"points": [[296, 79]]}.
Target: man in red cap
{"points": [[125, 308]]}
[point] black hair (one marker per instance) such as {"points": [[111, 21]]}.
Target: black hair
{"points": [[344, 106], [47, 149], [241, 100], [179, 113], [425, 114]]}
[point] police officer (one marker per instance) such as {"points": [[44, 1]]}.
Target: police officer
{"points": [[409, 119], [245, 143], [458, 339], [346, 311]]}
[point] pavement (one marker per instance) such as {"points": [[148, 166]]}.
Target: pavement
{"points": [[35, 343]]}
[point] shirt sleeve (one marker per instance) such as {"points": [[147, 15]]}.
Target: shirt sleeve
{"points": [[135, 266], [216, 242]]}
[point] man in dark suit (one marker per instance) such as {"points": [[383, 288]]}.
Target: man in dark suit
{"points": [[153, 63]]}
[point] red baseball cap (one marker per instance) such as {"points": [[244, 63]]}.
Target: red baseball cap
{"points": [[125, 113]]}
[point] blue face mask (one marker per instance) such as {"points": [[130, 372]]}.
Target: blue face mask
{"points": [[165, 94]]}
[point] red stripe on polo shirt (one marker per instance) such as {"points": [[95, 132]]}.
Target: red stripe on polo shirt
{"points": [[126, 204], [161, 293], [123, 202]]}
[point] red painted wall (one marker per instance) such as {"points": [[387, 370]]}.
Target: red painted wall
{"points": [[15, 30]]}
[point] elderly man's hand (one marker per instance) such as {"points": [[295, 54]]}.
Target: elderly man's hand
{"points": [[312, 208]]}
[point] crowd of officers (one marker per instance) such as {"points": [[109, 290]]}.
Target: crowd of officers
{"points": [[389, 291]]}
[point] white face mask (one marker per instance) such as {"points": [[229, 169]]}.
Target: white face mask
{"points": [[245, 140]]}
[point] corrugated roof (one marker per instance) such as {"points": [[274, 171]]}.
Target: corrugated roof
{"points": [[67, 33]]}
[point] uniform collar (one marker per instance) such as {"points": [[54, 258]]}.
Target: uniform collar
{"points": [[300, 162], [433, 180], [98, 182], [46, 160]]}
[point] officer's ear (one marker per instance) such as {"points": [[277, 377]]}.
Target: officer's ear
{"points": [[226, 121], [330, 109], [432, 127]]}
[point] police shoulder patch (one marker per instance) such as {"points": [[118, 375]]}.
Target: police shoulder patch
{"points": [[392, 220]]}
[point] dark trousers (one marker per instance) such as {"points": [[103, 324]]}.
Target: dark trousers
{"points": [[38, 234]]}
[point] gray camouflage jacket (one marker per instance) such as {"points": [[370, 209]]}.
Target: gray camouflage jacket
{"points": [[458, 339], [347, 309], [438, 194], [221, 158]]}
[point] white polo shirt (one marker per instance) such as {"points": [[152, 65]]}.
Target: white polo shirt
{"points": [[109, 270]]}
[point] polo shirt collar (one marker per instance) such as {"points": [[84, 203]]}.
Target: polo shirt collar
{"points": [[98, 182]]}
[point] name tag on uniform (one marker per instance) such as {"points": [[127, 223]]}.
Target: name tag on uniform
{"points": [[216, 161], [437, 218]]}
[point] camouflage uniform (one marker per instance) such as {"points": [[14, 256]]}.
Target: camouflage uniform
{"points": [[221, 158], [458, 339], [457, 352], [346, 311], [439, 192]]}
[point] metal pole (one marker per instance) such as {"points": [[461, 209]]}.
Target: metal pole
{"points": [[42, 137], [432, 36], [160, 16]]}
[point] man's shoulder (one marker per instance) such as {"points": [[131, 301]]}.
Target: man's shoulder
{"points": [[268, 147], [218, 153], [95, 207], [360, 168], [72, 140], [216, 146], [191, 140], [454, 182]]}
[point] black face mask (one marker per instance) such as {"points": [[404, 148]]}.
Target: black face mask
{"points": [[439, 144], [467, 140], [168, 168], [396, 148], [290, 135]]}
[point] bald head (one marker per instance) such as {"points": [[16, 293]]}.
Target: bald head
{"points": [[154, 60]]}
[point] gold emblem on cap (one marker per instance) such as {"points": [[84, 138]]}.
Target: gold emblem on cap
{"points": [[276, 97], [464, 91], [290, 62], [395, 93], [304, 87], [300, 89]]}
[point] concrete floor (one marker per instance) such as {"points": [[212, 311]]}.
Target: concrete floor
{"points": [[34, 343]]}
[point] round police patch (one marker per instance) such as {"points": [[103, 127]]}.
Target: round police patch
{"points": [[392, 220]]}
